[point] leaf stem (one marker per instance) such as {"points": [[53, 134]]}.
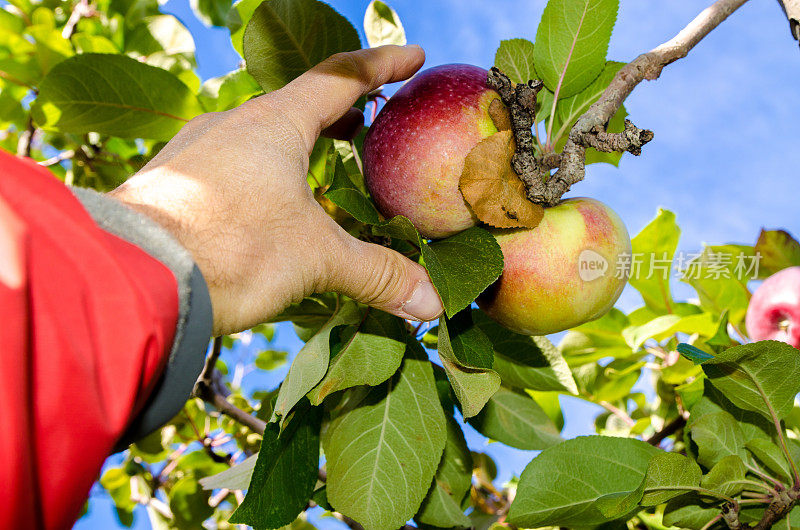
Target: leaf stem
{"points": [[698, 489], [357, 157], [757, 500], [765, 476], [711, 522], [760, 485], [621, 414]]}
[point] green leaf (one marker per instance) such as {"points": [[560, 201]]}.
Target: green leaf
{"points": [[320, 497], [189, 503], [726, 476], [87, 43], [228, 91], [320, 164], [665, 326], [351, 163], [551, 493], [211, 12], [762, 376], [617, 504], [611, 383], [311, 363], [234, 478], [523, 361], [285, 473], [721, 338], [51, 46], [572, 41], [597, 339], [720, 275], [752, 424], [550, 404], [347, 196], [514, 58], [778, 250], [654, 248], [311, 312], [570, 109], [472, 386], [771, 457], [160, 33], [451, 484], [118, 485], [382, 25], [270, 359], [240, 14], [367, 353], [470, 344], [398, 227], [284, 38], [462, 266], [717, 435], [689, 511], [382, 455], [517, 420], [121, 97], [669, 470]]}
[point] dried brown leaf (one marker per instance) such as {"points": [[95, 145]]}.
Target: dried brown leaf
{"points": [[500, 116], [492, 188]]}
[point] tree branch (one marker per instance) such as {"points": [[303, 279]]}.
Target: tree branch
{"points": [[589, 130], [208, 389], [26, 139], [791, 8], [81, 9], [618, 412], [668, 430]]}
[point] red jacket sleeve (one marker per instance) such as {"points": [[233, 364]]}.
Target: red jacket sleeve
{"points": [[86, 323]]}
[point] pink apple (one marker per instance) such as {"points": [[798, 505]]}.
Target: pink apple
{"points": [[568, 270], [774, 310], [414, 152]]}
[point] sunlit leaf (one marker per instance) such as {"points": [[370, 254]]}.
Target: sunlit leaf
{"points": [[284, 38], [122, 97]]}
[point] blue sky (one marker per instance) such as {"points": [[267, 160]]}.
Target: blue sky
{"points": [[725, 157]]}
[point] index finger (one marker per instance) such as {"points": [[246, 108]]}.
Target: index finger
{"points": [[324, 93]]}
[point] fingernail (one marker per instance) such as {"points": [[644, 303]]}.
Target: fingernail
{"points": [[424, 303], [412, 46]]}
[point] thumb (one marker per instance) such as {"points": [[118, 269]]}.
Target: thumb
{"points": [[382, 278]]}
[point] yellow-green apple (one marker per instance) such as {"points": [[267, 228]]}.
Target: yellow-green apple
{"points": [[568, 270], [414, 151], [774, 310]]}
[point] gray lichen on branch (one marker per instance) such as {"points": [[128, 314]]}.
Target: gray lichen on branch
{"points": [[520, 99]]}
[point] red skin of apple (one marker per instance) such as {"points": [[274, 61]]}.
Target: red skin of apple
{"points": [[414, 151], [774, 310], [543, 289]]}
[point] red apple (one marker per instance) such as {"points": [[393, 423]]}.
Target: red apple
{"points": [[774, 310], [568, 270], [414, 151]]}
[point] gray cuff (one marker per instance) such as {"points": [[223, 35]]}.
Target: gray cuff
{"points": [[195, 318]]}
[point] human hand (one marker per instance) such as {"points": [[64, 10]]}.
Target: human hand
{"points": [[231, 187]]}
